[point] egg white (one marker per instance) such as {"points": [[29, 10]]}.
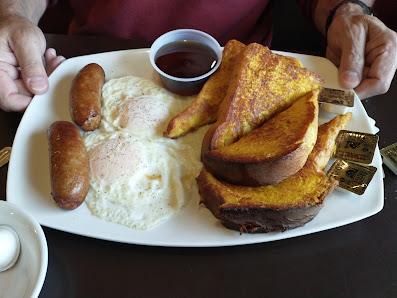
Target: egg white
{"points": [[138, 178], [140, 106]]}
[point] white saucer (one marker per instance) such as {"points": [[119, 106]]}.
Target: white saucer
{"points": [[26, 277]]}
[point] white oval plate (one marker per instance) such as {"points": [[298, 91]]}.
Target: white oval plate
{"points": [[28, 182]]}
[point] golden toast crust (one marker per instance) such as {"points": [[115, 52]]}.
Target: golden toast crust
{"points": [[262, 85], [204, 108], [288, 204], [326, 137], [271, 153]]}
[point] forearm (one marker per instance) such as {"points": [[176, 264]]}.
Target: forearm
{"points": [[324, 7], [30, 9]]}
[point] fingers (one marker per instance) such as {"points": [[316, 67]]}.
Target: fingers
{"points": [[333, 56], [11, 70], [352, 61], [380, 60], [29, 52], [52, 61], [13, 94], [22, 88], [22, 70], [346, 48], [349, 56], [378, 77], [365, 51]]}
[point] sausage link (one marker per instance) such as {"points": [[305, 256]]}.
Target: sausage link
{"points": [[85, 97], [69, 165]]}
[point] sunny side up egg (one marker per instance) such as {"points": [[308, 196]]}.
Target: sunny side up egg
{"points": [[138, 178]]}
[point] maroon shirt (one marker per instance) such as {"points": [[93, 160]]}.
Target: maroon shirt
{"points": [[247, 21]]}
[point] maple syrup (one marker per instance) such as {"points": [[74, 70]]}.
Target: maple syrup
{"points": [[186, 59]]}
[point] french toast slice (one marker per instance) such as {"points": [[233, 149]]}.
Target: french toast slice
{"points": [[326, 138], [271, 153], [286, 205], [262, 85], [204, 108]]}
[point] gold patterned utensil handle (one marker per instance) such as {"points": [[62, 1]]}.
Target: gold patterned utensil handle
{"points": [[4, 155]]}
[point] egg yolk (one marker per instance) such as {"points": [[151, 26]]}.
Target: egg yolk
{"points": [[113, 160], [143, 114]]}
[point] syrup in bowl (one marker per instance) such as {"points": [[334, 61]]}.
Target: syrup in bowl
{"points": [[186, 59]]}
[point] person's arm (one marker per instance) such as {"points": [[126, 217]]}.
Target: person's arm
{"points": [[360, 45], [29, 9], [324, 7], [22, 48]]}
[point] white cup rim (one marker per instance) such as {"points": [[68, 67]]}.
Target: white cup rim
{"points": [[176, 35]]}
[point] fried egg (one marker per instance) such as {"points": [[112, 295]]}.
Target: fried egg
{"points": [[138, 178], [140, 106]]}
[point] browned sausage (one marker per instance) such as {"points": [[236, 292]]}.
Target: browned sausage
{"points": [[69, 166], [85, 97]]}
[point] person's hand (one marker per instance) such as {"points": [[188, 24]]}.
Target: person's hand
{"points": [[365, 51], [24, 63]]}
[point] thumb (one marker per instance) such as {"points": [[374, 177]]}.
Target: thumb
{"points": [[30, 60], [352, 63]]}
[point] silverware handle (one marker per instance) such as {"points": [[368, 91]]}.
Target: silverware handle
{"points": [[4, 155]]}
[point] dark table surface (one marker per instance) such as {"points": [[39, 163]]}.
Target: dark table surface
{"points": [[357, 260]]}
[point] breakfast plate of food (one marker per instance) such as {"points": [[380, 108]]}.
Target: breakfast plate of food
{"points": [[162, 205]]}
